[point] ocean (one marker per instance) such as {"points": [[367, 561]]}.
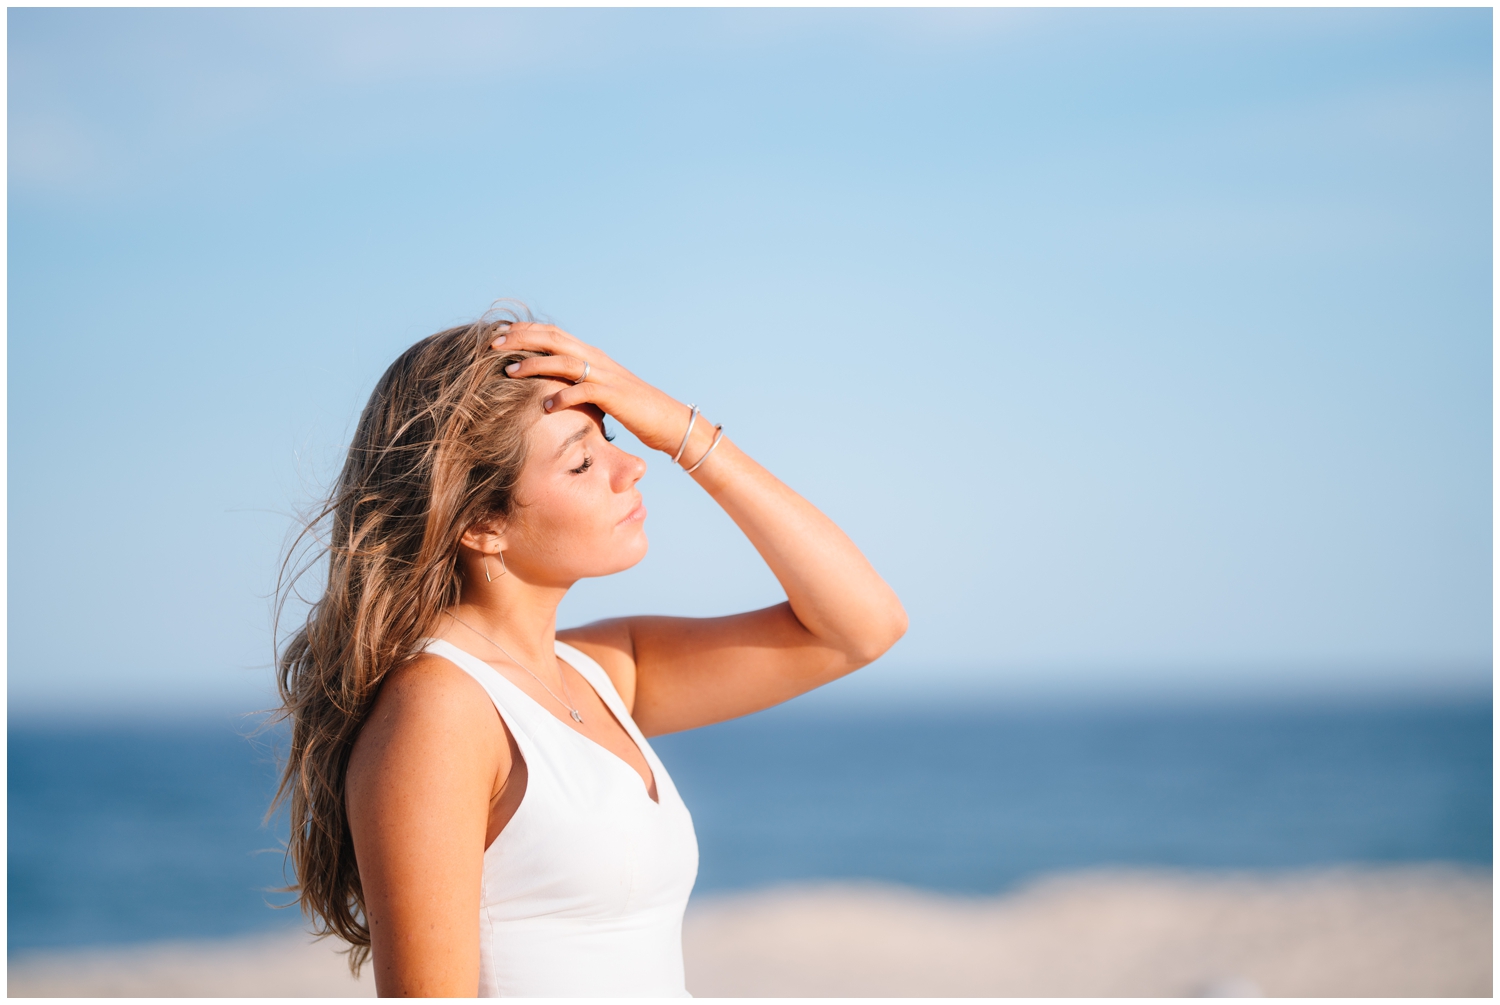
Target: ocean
{"points": [[137, 832]]}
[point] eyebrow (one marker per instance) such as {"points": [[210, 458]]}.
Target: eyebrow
{"points": [[582, 432]]}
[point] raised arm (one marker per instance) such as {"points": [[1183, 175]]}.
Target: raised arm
{"points": [[678, 673]]}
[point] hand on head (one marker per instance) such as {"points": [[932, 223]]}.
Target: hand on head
{"points": [[651, 415]]}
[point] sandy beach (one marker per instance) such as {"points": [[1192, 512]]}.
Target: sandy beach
{"points": [[1395, 931]]}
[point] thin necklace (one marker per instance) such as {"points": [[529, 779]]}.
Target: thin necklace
{"points": [[577, 715]]}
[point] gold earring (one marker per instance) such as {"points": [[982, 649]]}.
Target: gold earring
{"points": [[503, 570]]}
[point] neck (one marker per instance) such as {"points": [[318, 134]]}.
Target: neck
{"points": [[521, 616]]}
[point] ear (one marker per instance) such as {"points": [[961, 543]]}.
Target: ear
{"points": [[487, 536]]}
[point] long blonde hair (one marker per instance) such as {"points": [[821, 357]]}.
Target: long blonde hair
{"points": [[438, 447]]}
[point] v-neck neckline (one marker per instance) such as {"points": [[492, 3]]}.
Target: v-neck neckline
{"points": [[645, 785]]}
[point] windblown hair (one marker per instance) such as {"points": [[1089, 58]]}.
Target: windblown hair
{"points": [[438, 448]]}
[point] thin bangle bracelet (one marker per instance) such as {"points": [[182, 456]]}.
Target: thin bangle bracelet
{"points": [[718, 435], [692, 418]]}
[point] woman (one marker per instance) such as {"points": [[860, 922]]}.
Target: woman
{"points": [[473, 798]]}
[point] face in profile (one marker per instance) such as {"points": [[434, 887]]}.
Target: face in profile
{"points": [[578, 512]]}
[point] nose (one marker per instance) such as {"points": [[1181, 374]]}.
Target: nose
{"points": [[628, 471]]}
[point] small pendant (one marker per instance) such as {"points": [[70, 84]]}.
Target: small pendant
{"points": [[574, 713]]}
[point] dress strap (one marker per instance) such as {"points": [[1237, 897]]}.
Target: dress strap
{"points": [[595, 674], [516, 707]]}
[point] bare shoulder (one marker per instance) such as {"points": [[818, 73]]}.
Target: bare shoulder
{"points": [[430, 687], [610, 644], [430, 713]]}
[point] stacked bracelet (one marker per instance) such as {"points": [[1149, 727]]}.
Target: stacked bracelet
{"points": [[692, 418], [718, 435]]}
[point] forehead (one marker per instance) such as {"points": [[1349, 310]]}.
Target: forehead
{"points": [[554, 432]]}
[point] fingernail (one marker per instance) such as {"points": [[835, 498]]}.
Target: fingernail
{"points": [[498, 342], [547, 404], [513, 368]]}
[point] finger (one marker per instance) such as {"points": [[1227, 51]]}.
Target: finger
{"points": [[551, 340], [577, 394], [529, 335], [566, 367]]}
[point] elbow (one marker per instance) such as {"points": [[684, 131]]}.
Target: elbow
{"points": [[884, 631]]}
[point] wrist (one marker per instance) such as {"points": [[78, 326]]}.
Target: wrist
{"points": [[699, 444], [682, 442]]}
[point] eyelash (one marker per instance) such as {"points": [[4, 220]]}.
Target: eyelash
{"points": [[588, 462]]}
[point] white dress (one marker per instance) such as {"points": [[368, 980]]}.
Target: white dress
{"points": [[584, 889]]}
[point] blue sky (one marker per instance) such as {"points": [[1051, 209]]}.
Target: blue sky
{"points": [[1145, 352]]}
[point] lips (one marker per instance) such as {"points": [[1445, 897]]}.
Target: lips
{"points": [[634, 516]]}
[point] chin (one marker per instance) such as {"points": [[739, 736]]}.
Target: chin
{"points": [[629, 558], [608, 561]]}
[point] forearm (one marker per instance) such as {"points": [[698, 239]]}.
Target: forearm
{"points": [[832, 588]]}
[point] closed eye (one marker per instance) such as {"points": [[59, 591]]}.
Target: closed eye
{"points": [[588, 462]]}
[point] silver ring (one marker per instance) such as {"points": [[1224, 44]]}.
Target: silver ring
{"points": [[585, 376]]}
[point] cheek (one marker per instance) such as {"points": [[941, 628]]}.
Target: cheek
{"points": [[572, 516]]}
